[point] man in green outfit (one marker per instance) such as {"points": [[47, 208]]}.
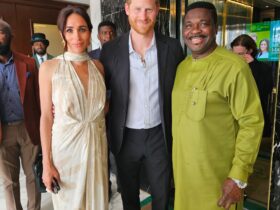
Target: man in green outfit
{"points": [[217, 119]]}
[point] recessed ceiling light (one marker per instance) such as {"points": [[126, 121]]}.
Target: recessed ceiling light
{"points": [[266, 6]]}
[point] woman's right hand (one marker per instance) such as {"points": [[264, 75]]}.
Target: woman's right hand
{"points": [[248, 58], [49, 173]]}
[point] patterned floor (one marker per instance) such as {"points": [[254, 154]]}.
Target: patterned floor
{"points": [[115, 203], [46, 204]]}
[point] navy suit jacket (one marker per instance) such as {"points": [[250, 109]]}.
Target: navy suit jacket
{"points": [[37, 62], [115, 58], [95, 54]]}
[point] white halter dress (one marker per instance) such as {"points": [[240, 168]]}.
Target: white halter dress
{"points": [[79, 145]]}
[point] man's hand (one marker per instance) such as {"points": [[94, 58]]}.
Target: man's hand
{"points": [[231, 194]]}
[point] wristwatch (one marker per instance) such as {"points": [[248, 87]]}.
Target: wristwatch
{"points": [[239, 183]]}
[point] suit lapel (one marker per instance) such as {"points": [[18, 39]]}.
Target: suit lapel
{"points": [[21, 69], [162, 49], [36, 60], [49, 56], [122, 63]]}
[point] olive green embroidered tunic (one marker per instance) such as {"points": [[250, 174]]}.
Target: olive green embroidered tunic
{"points": [[217, 127]]}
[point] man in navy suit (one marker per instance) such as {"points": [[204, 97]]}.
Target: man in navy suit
{"points": [[106, 32], [140, 68]]}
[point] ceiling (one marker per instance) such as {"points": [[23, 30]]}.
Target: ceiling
{"points": [[266, 4]]}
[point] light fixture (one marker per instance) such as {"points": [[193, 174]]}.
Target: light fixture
{"points": [[239, 3], [164, 8]]}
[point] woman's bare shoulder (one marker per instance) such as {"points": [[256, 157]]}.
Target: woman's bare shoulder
{"points": [[47, 68], [49, 65]]}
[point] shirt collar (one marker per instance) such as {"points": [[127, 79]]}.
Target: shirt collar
{"points": [[130, 47], [9, 61], [44, 56]]}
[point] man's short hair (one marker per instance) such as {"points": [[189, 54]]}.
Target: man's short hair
{"points": [[107, 23], [129, 1], [5, 28], [205, 5]]}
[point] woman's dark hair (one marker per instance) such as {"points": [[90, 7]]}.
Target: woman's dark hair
{"points": [[66, 12], [247, 42]]}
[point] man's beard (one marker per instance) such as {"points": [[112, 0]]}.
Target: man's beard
{"points": [[141, 30], [40, 51], [5, 48]]}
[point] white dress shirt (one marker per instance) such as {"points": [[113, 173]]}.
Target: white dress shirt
{"points": [[45, 57], [143, 105]]}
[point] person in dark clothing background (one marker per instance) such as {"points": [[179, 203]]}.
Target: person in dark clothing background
{"points": [[107, 31], [245, 46]]}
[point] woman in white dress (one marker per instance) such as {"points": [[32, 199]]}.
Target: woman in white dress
{"points": [[74, 145]]}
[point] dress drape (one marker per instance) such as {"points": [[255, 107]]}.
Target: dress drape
{"points": [[79, 145]]}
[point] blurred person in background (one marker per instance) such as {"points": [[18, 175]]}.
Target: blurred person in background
{"points": [[19, 122], [245, 46], [106, 32], [39, 47]]}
